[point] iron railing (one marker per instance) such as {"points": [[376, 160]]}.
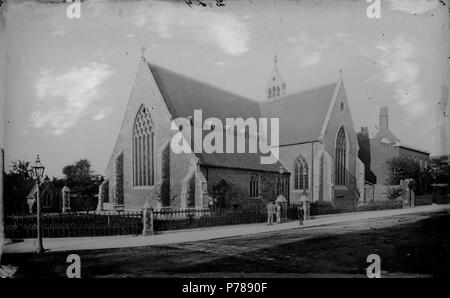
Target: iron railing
{"points": [[85, 224], [177, 219]]}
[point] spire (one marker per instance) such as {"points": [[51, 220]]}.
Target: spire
{"points": [[276, 86], [143, 49]]}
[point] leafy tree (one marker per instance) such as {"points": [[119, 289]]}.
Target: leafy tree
{"points": [[403, 168], [81, 179], [19, 168], [17, 185], [79, 172], [439, 170]]}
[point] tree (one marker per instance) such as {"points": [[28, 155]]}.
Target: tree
{"points": [[403, 168], [17, 185], [440, 170], [79, 172], [81, 179], [20, 168]]}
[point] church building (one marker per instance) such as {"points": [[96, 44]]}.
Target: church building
{"points": [[318, 147]]}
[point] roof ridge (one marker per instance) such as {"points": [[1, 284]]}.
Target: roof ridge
{"points": [[313, 89], [201, 82], [233, 93]]}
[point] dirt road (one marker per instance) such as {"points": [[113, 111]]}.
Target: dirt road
{"points": [[413, 245]]}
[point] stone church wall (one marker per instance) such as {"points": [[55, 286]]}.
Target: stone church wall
{"points": [[289, 155], [146, 92], [239, 182], [337, 119]]}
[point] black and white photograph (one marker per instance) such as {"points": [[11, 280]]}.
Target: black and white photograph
{"points": [[229, 141]]}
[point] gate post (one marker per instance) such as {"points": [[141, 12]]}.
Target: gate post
{"points": [[147, 217]]}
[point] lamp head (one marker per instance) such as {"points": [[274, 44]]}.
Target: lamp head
{"points": [[38, 168]]}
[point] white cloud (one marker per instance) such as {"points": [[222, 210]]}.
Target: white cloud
{"points": [[309, 50], [413, 6], [397, 60], [222, 29], [61, 31], [223, 63], [102, 113], [311, 59], [64, 98]]}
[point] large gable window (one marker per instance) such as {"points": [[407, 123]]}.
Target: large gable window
{"points": [[301, 174], [340, 158], [143, 166]]}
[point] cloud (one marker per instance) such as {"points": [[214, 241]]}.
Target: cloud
{"points": [[397, 60], [60, 31], [312, 59], [221, 29], [223, 63], [102, 113], [309, 50], [64, 98], [413, 6]]}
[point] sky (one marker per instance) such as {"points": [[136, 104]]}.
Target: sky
{"points": [[68, 80]]}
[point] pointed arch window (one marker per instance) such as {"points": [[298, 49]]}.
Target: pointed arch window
{"points": [[143, 161], [278, 90], [301, 174], [254, 185], [340, 158]]}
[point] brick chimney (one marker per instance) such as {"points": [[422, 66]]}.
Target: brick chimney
{"points": [[364, 131], [383, 122]]}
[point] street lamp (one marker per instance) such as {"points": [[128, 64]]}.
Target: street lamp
{"points": [[37, 172], [281, 171]]}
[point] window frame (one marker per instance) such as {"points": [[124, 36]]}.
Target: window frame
{"points": [[301, 174], [143, 154], [254, 177], [340, 159]]}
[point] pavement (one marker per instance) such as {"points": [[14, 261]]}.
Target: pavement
{"points": [[108, 242]]}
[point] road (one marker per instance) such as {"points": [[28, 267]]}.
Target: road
{"points": [[410, 245]]}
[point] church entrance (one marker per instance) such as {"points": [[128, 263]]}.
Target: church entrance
{"points": [[221, 192]]}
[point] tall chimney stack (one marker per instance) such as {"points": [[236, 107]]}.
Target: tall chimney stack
{"points": [[364, 131], [384, 119]]}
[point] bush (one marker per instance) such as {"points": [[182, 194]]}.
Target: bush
{"points": [[394, 193], [381, 205], [322, 208]]}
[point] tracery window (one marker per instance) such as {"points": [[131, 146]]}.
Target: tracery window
{"points": [[254, 185], [301, 174], [143, 161], [340, 158]]}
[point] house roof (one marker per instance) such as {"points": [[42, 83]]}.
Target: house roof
{"points": [[301, 114], [403, 145], [32, 192]]}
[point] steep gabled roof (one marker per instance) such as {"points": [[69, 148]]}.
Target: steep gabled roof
{"points": [[301, 114], [183, 95]]}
